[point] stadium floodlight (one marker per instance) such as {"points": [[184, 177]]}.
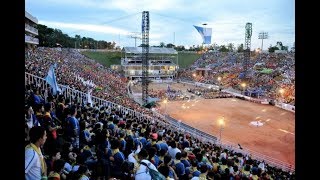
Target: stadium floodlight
{"points": [[262, 36], [243, 85], [221, 124], [281, 91]]}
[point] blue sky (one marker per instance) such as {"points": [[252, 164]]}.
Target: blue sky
{"points": [[170, 20]]}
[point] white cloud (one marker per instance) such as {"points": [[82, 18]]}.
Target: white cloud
{"points": [[227, 19], [86, 27]]}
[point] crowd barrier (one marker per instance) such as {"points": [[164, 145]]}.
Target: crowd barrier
{"points": [[165, 121]]}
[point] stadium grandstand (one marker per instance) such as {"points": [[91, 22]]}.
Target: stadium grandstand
{"points": [[161, 63], [94, 129], [30, 24], [272, 76], [110, 129]]}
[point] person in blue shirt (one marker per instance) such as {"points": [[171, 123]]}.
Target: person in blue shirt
{"points": [[185, 161], [116, 159], [180, 168], [73, 127]]}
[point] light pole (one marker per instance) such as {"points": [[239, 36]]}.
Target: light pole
{"points": [[243, 85], [219, 81], [262, 36], [165, 101], [221, 124]]}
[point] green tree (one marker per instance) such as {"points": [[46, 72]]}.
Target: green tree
{"points": [[223, 48], [170, 45], [240, 48], [162, 44], [272, 48], [230, 47], [293, 47], [180, 48]]}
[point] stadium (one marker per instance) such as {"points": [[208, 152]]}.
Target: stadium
{"points": [[227, 114]]}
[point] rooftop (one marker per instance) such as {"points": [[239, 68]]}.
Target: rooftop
{"points": [[152, 50]]}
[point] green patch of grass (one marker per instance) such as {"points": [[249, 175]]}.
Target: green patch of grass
{"points": [[104, 58], [109, 58], [187, 59]]}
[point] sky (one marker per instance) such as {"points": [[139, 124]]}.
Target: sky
{"points": [[171, 21]]}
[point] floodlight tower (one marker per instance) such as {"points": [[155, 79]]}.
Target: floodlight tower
{"points": [[263, 35], [135, 36], [246, 52], [145, 53]]}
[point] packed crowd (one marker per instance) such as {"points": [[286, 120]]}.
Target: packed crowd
{"points": [[229, 66], [209, 93], [73, 69], [67, 139]]}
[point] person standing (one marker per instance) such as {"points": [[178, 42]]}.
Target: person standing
{"points": [[35, 166]]}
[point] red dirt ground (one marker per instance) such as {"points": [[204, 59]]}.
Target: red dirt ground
{"points": [[275, 138]]}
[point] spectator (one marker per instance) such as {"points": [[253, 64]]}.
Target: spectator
{"points": [[35, 166], [142, 172], [57, 170]]}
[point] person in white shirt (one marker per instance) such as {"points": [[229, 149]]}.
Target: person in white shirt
{"points": [[172, 150], [142, 172], [35, 165]]}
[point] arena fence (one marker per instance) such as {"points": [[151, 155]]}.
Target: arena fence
{"points": [[163, 120], [287, 107]]}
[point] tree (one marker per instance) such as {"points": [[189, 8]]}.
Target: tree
{"points": [[143, 45], [285, 48], [279, 44], [223, 48], [170, 45], [49, 37], [293, 48], [180, 48], [162, 44], [240, 48], [272, 48], [230, 47]]}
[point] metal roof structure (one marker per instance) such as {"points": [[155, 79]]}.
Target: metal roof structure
{"points": [[152, 50]]}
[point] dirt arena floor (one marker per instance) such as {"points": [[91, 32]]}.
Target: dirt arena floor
{"points": [[275, 137]]}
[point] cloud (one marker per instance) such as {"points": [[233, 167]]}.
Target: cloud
{"points": [[227, 19], [86, 27]]}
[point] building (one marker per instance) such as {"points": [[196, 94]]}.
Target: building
{"points": [[162, 63], [31, 30], [280, 51]]}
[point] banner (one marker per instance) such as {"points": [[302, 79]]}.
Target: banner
{"points": [[205, 34], [52, 81]]}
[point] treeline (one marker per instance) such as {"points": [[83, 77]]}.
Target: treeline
{"points": [[49, 37], [222, 48]]}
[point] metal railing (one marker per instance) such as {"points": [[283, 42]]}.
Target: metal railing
{"points": [[165, 121]]}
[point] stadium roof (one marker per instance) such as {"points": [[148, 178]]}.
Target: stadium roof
{"points": [[152, 50]]}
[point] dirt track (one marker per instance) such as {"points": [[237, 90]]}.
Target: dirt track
{"points": [[275, 138]]}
